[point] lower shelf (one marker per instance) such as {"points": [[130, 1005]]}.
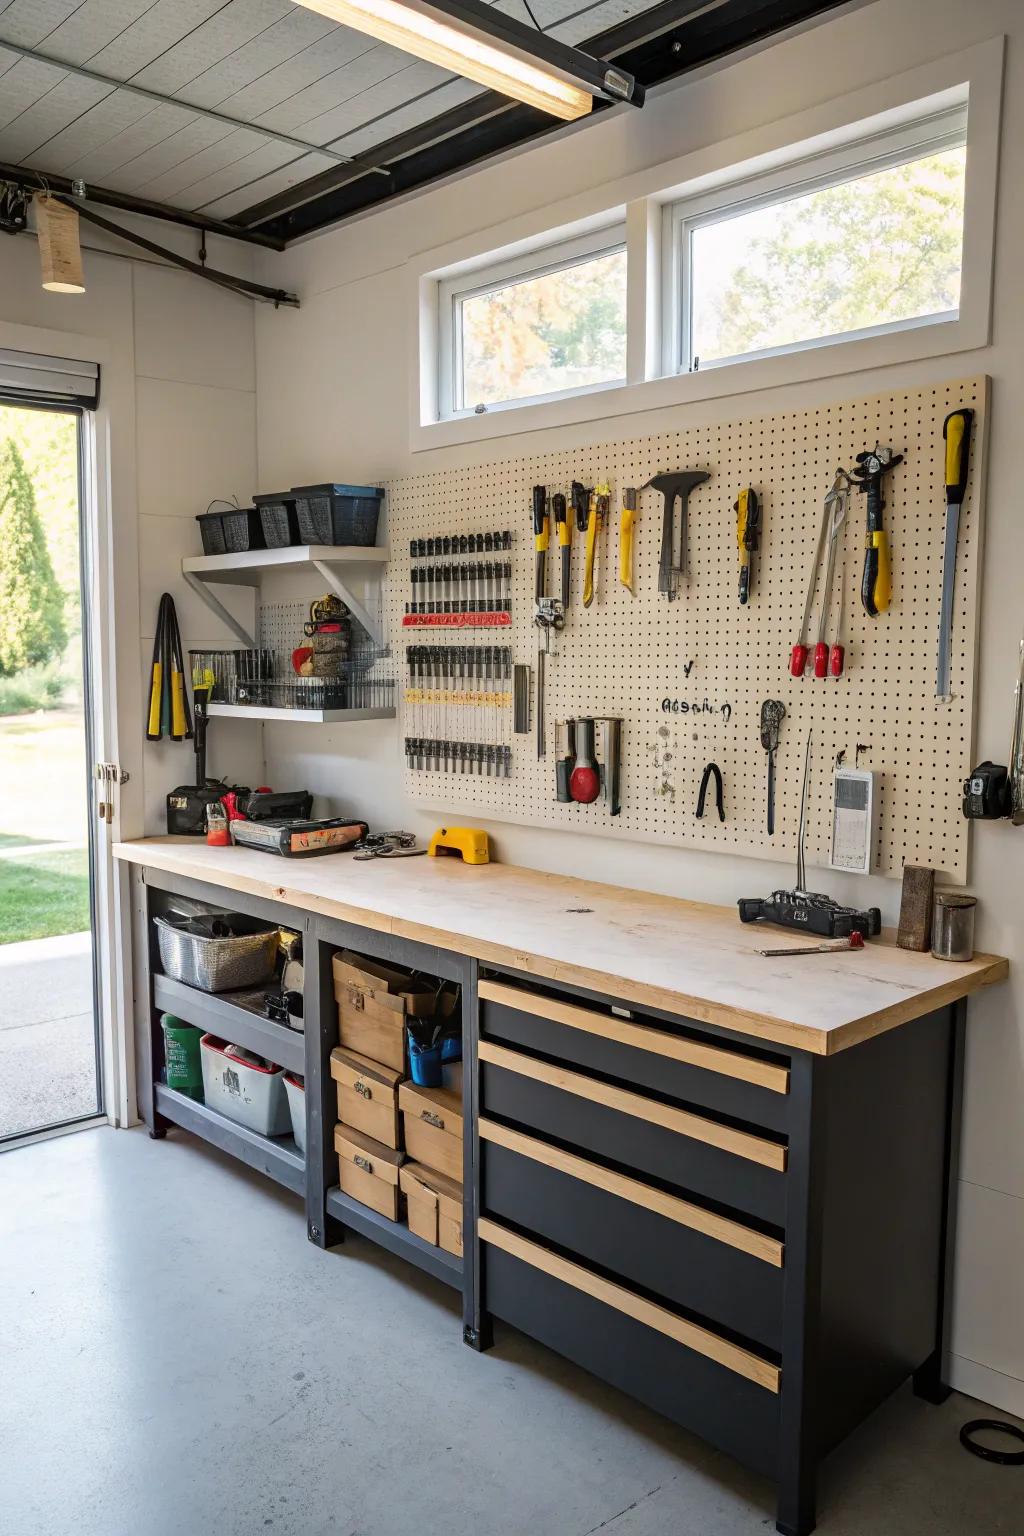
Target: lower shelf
{"points": [[396, 1237], [278, 1157]]}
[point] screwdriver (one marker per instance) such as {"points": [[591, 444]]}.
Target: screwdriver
{"points": [[564, 527], [600, 499], [541, 531], [748, 528], [956, 430]]}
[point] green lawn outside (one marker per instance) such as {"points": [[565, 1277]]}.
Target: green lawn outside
{"points": [[43, 894]]}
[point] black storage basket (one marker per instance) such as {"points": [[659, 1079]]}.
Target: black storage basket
{"points": [[278, 520], [338, 514], [211, 527], [242, 530]]}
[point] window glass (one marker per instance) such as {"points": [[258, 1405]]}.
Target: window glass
{"points": [[881, 249], [546, 331]]}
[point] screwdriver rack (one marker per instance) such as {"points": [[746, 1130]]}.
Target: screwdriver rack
{"points": [[474, 594], [688, 678]]}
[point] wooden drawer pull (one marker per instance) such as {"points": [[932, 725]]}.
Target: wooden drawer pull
{"points": [[742, 1143], [694, 1054], [757, 1244], [762, 1372]]}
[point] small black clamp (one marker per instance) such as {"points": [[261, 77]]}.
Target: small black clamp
{"points": [[712, 768]]}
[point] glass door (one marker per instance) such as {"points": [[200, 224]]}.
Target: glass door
{"points": [[50, 1058]]}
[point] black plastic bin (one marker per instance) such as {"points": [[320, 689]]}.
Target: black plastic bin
{"points": [[211, 527], [230, 530], [337, 514], [278, 519]]}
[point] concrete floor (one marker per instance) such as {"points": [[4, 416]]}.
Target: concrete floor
{"points": [[47, 1041], [178, 1360]]}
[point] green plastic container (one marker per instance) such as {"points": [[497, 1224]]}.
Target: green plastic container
{"points": [[183, 1062]]}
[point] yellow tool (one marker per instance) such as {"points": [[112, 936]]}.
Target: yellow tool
{"points": [[748, 535], [466, 843], [630, 507], [178, 726], [600, 499], [155, 691]]}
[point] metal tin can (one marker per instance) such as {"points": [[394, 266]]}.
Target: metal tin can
{"points": [[953, 926]]}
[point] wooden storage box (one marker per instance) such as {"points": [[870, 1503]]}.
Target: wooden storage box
{"points": [[432, 1123], [367, 1095], [368, 1171], [373, 1000], [434, 1206]]}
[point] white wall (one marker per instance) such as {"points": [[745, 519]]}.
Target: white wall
{"points": [[332, 397], [178, 407]]}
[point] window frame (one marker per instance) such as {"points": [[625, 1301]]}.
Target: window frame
{"points": [[929, 134], [477, 281]]}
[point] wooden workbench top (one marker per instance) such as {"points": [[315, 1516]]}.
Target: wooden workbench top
{"points": [[686, 957]]}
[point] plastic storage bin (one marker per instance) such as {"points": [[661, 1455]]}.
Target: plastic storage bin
{"points": [[338, 514], [183, 1068], [239, 1089], [295, 1088], [242, 530], [211, 530], [278, 521]]}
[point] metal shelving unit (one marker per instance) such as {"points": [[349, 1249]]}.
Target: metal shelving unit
{"points": [[219, 1015], [351, 571], [278, 1157], [396, 1237]]}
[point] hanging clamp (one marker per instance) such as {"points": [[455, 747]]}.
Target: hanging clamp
{"points": [[711, 769]]}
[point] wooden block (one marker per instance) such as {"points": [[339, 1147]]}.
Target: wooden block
{"points": [[915, 930], [432, 1123], [367, 1095], [434, 1205], [368, 1171]]}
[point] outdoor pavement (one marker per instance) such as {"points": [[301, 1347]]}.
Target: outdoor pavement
{"points": [[47, 1051]]}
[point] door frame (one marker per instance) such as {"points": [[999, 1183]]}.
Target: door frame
{"points": [[110, 544]]}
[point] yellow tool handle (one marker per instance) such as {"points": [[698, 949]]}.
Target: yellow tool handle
{"points": [[565, 532], [177, 704], [588, 566], [879, 542], [626, 547], [155, 688], [540, 540], [956, 429]]}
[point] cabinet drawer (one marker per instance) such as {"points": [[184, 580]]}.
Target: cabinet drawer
{"points": [[726, 1394], [729, 1273], [699, 1071], [732, 1167]]}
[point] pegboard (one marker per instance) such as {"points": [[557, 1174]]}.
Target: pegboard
{"points": [[628, 655]]}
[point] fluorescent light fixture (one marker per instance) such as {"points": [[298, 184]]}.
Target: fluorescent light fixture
{"points": [[496, 51]]}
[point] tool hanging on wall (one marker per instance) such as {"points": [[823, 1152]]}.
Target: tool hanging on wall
{"points": [[565, 763], [876, 582], [600, 501], [609, 756], [564, 526], [809, 910], [833, 517], [584, 780], [673, 566], [460, 544], [591, 767], [748, 536], [548, 612], [169, 712], [712, 771], [431, 755], [956, 433], [627, 526], [773, 712]]}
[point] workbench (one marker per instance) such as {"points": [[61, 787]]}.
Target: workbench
{"points": [[723, 1182]]}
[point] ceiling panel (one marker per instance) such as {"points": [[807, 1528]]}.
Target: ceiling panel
{"points": [[89, 28], [230, 28]]}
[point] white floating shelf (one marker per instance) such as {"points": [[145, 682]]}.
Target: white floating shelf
{"points": [[352, 571], [310, 716]]}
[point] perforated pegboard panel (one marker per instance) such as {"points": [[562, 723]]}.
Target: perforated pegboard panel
{"points": [[628, 655]]}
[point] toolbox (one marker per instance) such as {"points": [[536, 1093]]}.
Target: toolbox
{"points": [[298, 839], [434, 1206], [367, 1095], [368, 1171], [432, 1123], [373, 1000]]}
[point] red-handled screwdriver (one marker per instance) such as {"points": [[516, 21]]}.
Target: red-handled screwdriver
{"points": [[837, 655]]}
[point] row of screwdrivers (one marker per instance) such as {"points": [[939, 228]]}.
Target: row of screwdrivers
{"points": [[460, 544], [482, 588], [458, 757], [484, 663]]}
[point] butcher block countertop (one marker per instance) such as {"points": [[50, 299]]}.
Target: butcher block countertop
{"points": [[685, 957]]}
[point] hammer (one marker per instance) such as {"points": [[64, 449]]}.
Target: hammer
{"points": [[673, 487]]}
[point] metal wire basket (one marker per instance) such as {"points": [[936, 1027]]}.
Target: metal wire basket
{"points": [[217, 951]]}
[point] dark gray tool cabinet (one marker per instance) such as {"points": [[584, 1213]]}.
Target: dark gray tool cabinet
{"points": [[753, 1240]]}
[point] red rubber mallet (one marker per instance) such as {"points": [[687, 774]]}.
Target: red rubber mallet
{"points": [[585, 781]]}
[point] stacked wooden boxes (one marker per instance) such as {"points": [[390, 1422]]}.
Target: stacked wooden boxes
{"points": [[375, 1105]]}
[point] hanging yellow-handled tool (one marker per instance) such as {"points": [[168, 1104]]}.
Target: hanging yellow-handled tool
{"points": [[564, 525], [956, 429], [630, 507], [155, 690], [876, 580], [600, 499], [748, 535]]}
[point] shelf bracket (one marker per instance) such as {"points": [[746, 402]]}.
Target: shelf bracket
{"points": [[203, 592], [356, 605]]}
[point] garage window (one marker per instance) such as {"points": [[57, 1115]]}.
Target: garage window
{"points": [[860, 242], [544, 325]]}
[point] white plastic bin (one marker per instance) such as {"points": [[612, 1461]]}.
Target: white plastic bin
{"points": [[295, 1088], [239, 1090]]}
